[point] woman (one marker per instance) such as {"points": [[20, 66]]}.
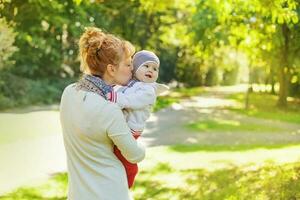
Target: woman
{"points": [[91, 125]]}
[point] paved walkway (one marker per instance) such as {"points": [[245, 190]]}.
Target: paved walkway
{"points": [[166, 127], [32, 157]]}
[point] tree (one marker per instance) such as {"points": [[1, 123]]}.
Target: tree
{"points": [[7, 48], [7, 40]]}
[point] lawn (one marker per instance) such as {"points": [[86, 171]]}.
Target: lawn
{"points": [[263, 105], [175, 95], [229, 126], [199, 172]]}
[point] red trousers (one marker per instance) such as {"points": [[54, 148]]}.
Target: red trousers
{"points": [[130, 168]]}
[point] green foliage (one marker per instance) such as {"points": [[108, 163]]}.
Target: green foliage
{"points": [[47, 32], [198, 42], [18, 91], [7, 48], [230, 76], [211, 78]]}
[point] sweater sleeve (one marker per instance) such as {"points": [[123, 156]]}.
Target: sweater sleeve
{"points": [[143, 97], [121, 136]]}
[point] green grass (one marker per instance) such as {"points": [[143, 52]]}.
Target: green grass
{"points": [[15, 127], [202, 173], [175, 96], [163, 102], [229, 126], [180, 148], [197, 172], [264, 106], [55, 189], [187, 92]]}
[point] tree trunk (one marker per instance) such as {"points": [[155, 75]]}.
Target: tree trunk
{"points": [[284, 68], [272, 80], [250, 88]]}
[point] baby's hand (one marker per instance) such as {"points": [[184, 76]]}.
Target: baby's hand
{"points": [[111, 96], [136, 134], [108, 96], [161, 89]]}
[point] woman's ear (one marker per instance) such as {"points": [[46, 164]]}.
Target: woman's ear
{"points": [[111, 69]]}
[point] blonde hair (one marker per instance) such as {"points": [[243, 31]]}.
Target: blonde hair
{"points": [[98, 49]]}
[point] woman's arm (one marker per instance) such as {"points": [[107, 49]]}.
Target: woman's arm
{"points": [[121, 136]]}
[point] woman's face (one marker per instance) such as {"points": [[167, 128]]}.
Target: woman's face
{"points": [[124, 71]]}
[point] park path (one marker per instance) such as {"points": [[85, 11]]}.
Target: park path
{"points": [[37, 158], [30, 161], [167, 126], [34, 148]]}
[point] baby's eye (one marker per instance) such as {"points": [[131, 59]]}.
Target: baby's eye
{"points": [[155, 69], [146, 66]]}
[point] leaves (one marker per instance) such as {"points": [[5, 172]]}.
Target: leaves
{"points": [[7, 48], [192, 38]]}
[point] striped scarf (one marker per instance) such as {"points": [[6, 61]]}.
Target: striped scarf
{"points": [[94, 84]]}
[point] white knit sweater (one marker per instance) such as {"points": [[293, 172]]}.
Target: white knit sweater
{"points": [[91, 126]]}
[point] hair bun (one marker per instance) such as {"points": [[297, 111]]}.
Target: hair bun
{"points": [[94, 39]]}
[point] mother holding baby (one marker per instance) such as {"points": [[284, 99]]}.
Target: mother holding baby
{"points": [[92, 125]]}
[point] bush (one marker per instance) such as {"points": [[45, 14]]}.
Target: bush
{"points": [[5, 102], [294, 89], [17, 91]]}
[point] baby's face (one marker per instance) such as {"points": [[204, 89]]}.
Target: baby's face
{"points": [[148, 72]]}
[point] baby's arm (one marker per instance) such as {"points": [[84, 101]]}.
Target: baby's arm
{"points": [[143, 97]]}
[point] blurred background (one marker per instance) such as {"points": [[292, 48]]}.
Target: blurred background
{"points": [[199, 43], [234, 70]]}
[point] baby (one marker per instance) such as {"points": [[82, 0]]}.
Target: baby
{"points": [[136, 99]]}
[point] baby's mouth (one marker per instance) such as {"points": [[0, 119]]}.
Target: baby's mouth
{"points": [[149, 75]]}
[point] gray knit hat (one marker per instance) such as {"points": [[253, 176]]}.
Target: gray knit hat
{"points": [[143, 57]]}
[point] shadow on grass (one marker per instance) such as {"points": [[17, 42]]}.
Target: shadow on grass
{"points": [[219, 148], [230, 126], [165, 182], [267, 182], [54, 189]]}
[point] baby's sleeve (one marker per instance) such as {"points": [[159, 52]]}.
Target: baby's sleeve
{"points": [[144, 96]]}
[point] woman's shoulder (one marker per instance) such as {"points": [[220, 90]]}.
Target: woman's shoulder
{"points": [[70, 87], [108, 107], [86, 97], [68, 90], [92, 102]]}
